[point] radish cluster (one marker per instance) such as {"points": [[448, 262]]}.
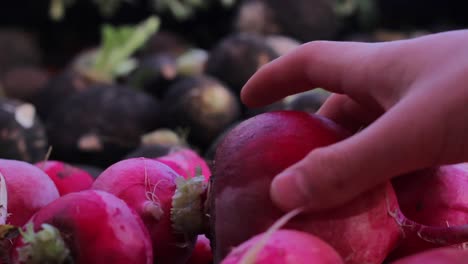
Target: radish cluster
{"points": [[173, 209]]}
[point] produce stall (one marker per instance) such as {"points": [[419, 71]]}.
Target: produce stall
{"points": [[124, 137]]}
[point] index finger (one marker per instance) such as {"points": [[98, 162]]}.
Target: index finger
{"points": [[340, 67]]}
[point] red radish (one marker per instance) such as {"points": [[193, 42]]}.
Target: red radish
{"points": [[29, 189], [259, 148], [286, 247], [437, 256], [84, 227], [202, 253], [434, 197], [3, 200], [171, 207], [66, 177], [186, 162]]}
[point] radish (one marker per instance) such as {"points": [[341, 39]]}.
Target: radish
{"points": [[66, 177], [437, 256], [186, 162], [202, 253], [171, 207], [283, 247], [362, 231], [28, 189], [84, 227], [434, 197], [3, 200]]}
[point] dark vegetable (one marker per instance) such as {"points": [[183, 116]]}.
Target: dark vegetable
{"points": [[24, 82], [18, 48], [237, 57], [99, 126], [201, 104], [154, 74], [22, 134], [102, 65], [301, 19]]}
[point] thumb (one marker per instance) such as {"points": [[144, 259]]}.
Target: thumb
{"points": [[330, 176]]}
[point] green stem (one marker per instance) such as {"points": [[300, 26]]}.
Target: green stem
{"points": [[44, 246], [119, 44], [187, 205]]}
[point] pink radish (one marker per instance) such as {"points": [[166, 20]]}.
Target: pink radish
{"points": [[66, 177], [171, 207], [84, 227], [28, 190], [246, 161], [202, 253], [186, 162], [3, 200], [437, 256], [434, 197], [286, 247]]}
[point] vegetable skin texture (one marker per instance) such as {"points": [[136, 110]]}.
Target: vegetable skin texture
{"points": [[186, 162], [258, 149], [118, 237], [66, 177], [202, 253], [435, 197], [148, 187], [28, 188], [286, 247], [437, 256]]}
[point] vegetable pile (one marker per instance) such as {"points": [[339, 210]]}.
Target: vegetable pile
{"points": [[139, 150]]}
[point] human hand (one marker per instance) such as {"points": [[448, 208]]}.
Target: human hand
{"points": [[410, 97]]}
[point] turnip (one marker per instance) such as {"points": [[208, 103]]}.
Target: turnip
{"points": [[437, 256], [84, 227], [66, 177], [362, 231], [434, 197], [171, 207], [28, 190], [187, 163]]}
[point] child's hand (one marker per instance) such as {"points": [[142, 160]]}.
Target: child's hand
{"points": [[410, 98]]}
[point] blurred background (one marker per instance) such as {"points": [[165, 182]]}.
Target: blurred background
{"points": [[102, 80]]}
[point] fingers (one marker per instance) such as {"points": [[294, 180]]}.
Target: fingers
{"points": [[346, 112], [341, 67], [394, 144]]}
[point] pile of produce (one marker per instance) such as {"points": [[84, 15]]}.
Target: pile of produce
{"points": [[138, 148]]}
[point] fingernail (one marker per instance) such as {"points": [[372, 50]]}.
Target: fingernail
{"points": [[286, 193]]}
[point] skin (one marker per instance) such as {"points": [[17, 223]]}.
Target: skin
{"points": [[406, 100]]}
